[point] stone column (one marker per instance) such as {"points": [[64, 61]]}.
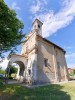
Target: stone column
{"points": [[17, 76]]}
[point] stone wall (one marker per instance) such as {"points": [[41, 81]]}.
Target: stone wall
{"points": [[52, 73], [45, 74], [61, 65], [29, 48], [29, 43]]}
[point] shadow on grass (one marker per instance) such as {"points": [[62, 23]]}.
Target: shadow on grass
{"points": [[17, 92]]}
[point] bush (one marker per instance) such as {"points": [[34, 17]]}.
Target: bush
{"points": [[10, 77], [1, 82]]}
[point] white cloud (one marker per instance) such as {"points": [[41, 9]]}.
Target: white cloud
{"points": [[69, 47], [15, 7], [44, 1], [35, 8], [19, 17], [38, 6], [71, 65], [4, 64], [54, 22], [0, 59], [70, 55]]}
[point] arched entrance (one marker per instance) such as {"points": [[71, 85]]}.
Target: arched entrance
{"points": [[22, 62]]}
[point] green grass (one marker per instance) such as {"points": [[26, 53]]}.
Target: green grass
{"points": [[51, 92]]}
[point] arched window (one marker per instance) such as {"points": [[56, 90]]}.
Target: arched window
{"points": [[38, 26]]}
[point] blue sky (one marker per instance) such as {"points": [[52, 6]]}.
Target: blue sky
{"points": [[58, 17]]}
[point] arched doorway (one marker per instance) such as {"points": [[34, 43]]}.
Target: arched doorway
{"points": [[22, 62], [21, 75]]}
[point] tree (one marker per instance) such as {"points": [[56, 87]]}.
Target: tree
{"points": [[0, 67], [10, 29], [10, 54], [11, 69], [2, 71], [74, 71]]}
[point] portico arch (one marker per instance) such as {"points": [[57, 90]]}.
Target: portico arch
{"points": [[22, 62]]}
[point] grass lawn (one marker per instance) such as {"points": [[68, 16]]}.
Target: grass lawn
{"points": [[64, 91]]}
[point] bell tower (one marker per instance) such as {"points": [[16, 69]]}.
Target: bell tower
{"points": [[37, 25]]}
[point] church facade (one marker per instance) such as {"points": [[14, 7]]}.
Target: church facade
{"points": [[40, 61]]}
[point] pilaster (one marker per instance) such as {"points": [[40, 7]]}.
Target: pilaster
{"points": [[55, 65]]}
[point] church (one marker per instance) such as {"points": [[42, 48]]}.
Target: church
{"points": [[40, 61]]}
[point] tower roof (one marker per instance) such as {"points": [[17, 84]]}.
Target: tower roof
{"points": [[37, 20]]}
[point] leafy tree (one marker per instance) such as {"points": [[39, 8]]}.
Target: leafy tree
{"points": [[2, 71], [0, 68], [10, 29], [11, 69], [11, 53], [74, 71]]}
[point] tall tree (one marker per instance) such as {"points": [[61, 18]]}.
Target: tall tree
{"points": [[10, 28], [74, 71], [13, 69], [2, 71]]}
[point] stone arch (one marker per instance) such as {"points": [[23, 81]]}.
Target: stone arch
{"points": [[22, 62]]}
